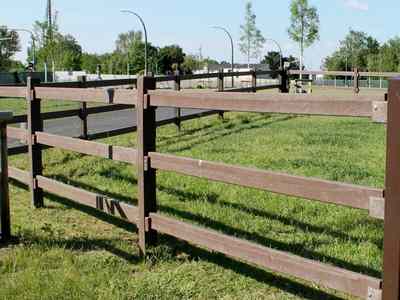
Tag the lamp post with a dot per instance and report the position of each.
(145, 38)
(280, 52)
(232, 50)
(33, 44)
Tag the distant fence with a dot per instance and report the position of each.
(12, 78)
(107, 86)
(147, 161)
(355, 79)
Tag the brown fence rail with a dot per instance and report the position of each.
(146, 160)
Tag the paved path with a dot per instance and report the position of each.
(104, 122)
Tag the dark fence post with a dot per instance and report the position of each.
(146, 142)
(254, 80)
(221, 87)
(35, 123)
(391, 260)
(83, 111)
(284, 84)
(177, 87)
(5, 223)
(356, 81)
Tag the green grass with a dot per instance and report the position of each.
(66, 252)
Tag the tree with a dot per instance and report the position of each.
(390, 56)
(251, 40)
(356, 50)
(90, 62)
(304, 28)
(192, 63)
(9, 45)
(126, 40)
(62, 51)
(273, 60)
(170, 58)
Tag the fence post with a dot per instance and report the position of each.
(356, 81)
(83, 111)
(35, 123)
(284, 87)
(254, 80)
(5, 224)
(391, 260)
(177, 87)
(221, 87)
(146, 142)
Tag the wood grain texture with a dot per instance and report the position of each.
(100, 202)
(321, 274)
(116, 153)
(357, 106)
(109, 96)
(281, 183)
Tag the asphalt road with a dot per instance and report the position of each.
(103, 122)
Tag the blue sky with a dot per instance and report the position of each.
(96, 23)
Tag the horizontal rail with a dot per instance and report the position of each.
(357, 106)
(308, 188)
(13, 91)
(250, 89)
(19, 175)
(344, 73)
(278, 261)
(109, 96)
(88, 147)
(327, 73)
(17, 133)
(73, 112)
(100, 202)
(90, 84)
(17, 150)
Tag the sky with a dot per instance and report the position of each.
(97, 23)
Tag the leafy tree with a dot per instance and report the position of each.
(55, 48)
(9, 45)
(129, 49)
(90, 62)
(126, 40)
(170, 58)
(304, 28)
(292, 62)
(251, 40)
(192, 63)
(357, 50)
(389, 56)
(273, 60)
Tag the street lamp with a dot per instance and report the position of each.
(33, 44)
(232, 49)
(145, 37)
(280, 52)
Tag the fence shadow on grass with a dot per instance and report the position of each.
(241, 268)
(295, 248)
(214, 198)
(219, 132)
(260, 275)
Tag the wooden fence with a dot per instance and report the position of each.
(84, 111)
(5, 226)
(355, 75)
(147, 161)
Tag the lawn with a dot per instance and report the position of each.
(66, 251)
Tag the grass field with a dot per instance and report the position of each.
(66, 251)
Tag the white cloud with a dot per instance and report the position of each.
(357, 5)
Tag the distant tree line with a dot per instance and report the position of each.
(362, 51)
